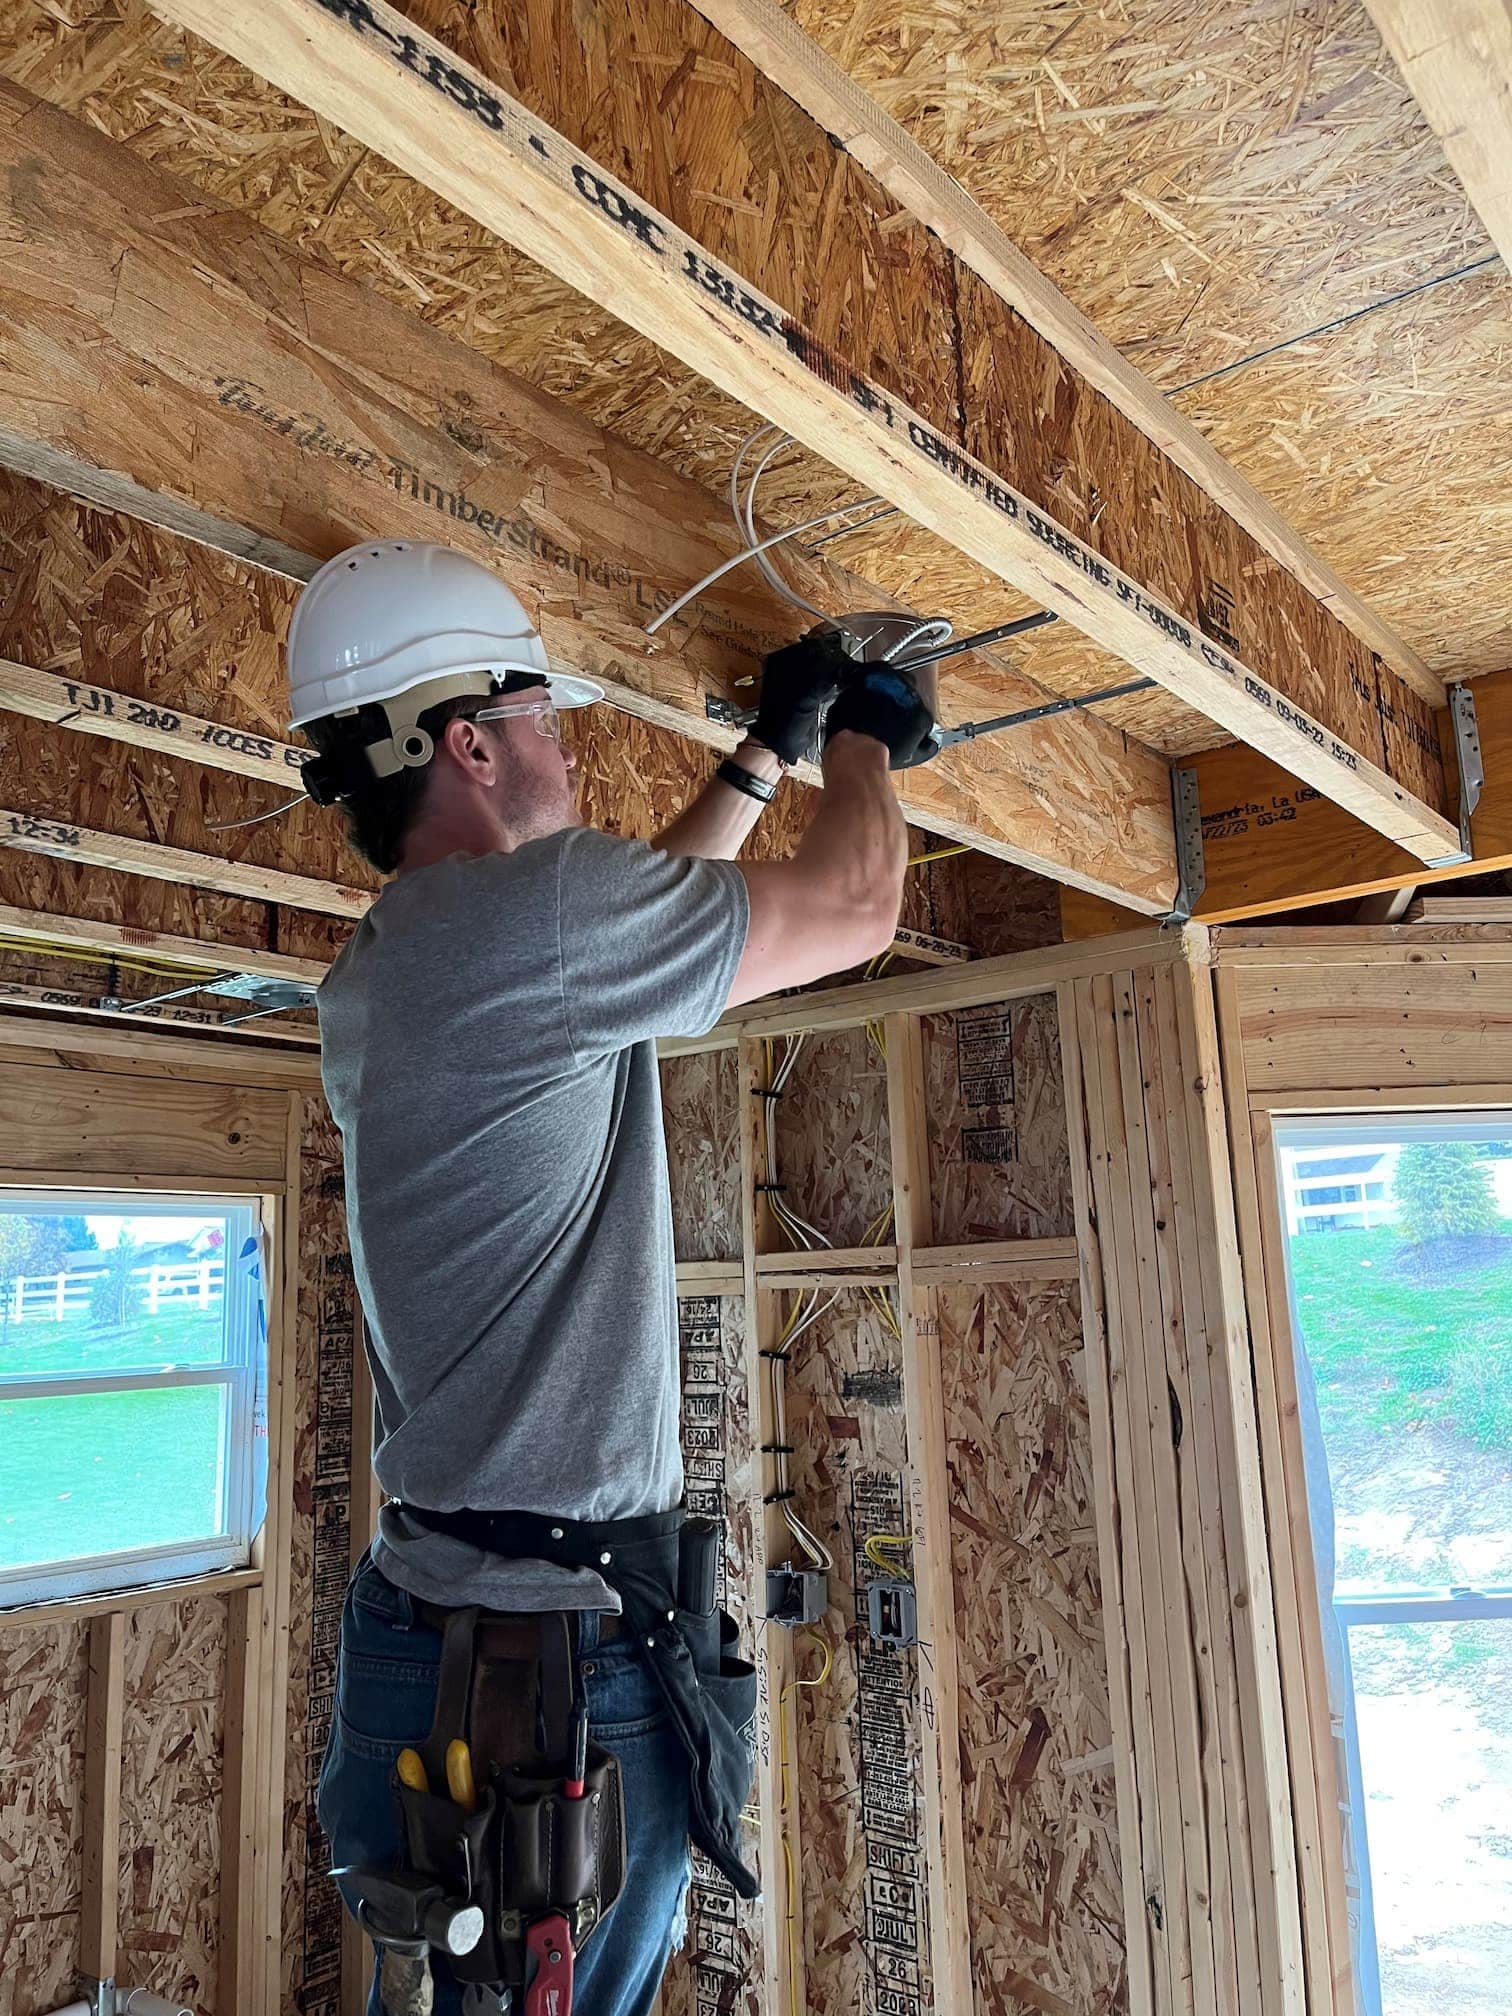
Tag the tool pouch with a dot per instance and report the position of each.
(560, 1854)
(460, 1851)
(526, 1850)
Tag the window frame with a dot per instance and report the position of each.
(72, 1577)
(1277, 1133)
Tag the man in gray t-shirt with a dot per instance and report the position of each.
(488, 1051)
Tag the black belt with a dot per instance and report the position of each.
(661, 1567)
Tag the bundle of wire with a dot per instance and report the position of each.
(809, 1307)
(929, 630)
(806, 1310)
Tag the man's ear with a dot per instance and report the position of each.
(471, 749)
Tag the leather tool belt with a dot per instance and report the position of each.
(537, 1843)
(662, 1567)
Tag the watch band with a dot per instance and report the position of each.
(745, 780)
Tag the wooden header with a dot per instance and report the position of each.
(308, 413)
(1271, 844)
(464, 135)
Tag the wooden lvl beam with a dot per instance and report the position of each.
(99, 1901)
(929, 1525)
(309, 412)
(239, 1796)
(1128, 1710)
(64, 842)
(274, 1554)
(1205, 1809)
(1273, 845)
(363, 65)
(770, 36)
(366, 1499)
(1455, 57)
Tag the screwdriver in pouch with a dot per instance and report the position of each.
(578, 1771)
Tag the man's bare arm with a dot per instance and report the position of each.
(716, 823)
(836, 902)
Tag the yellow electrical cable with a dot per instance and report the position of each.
(877, 1547)
(940, 854)
(57, 948)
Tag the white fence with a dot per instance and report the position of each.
(53, 1298)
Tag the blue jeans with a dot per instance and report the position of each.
(385, 1697)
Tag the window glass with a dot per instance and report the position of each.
(132, 1366)
(1402, 1316)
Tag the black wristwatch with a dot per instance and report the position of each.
(730, 772)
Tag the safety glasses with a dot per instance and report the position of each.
(547, 720)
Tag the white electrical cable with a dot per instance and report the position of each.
(746, 523)
(754, 548)
(808, 1237)
(728, 566)
(231, 825)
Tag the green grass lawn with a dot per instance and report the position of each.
(90, 1473)
(1395, 1345)
(177, 1336)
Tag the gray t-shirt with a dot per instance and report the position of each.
(487, 1046)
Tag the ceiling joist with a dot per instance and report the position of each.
(122, 717)
(461, 133)
(52, 931)
(765, 32)
(63, 841)
(1455, 57)
(165, 357)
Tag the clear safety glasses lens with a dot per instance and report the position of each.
(547, 720)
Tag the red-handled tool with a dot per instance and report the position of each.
(550, 1944)
(573, 1783)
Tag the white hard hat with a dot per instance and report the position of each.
(392, 615)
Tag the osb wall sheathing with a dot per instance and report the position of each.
(652, 89)
(43, 1680)
(326, 1337)
(718, 1971)
(856, 1775)
(174, 1659)
(1205, 178)
(1042, 1867)
(701, 1114)
(999, 1159)
(107, 597)
(833, 1157)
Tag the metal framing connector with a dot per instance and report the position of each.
(1472, 772)
(1191, 868)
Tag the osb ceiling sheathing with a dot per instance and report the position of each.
(1205, 178)
(1202, 179)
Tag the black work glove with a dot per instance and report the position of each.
(797, 684)
(884, 702)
